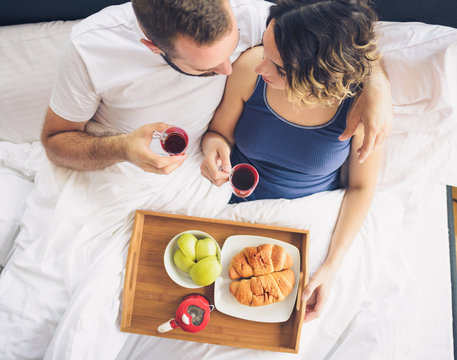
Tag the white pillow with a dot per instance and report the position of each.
(420, 61)
(29, 56)
(421, 64)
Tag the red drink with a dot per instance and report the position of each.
(244, 178)
(174, 141)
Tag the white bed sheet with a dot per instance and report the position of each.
(406, 314)
(427, 247)
(76, 254)
(391, 316)
(18, 165)
(391, 299)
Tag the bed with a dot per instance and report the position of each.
(392, 298)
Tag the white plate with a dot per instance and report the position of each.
(226, 303)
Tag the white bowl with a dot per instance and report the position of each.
(178, 276)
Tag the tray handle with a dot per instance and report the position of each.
(131, 271)
(131, 267)
(299, 303)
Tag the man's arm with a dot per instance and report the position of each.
(68, 145)
(373, 108)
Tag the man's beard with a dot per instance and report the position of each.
(172, 65)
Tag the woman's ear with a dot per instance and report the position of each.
(151, 46)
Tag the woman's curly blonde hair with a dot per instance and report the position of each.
(327, 47)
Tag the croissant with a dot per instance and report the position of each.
(265, 289)
(260, 260)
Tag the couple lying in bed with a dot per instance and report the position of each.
(284, 110)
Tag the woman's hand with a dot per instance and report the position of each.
(317, 291)
(216, 163)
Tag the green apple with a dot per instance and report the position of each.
(186, 243)
(182, 261)
(206, 271)
(204, 248)
(209, 258)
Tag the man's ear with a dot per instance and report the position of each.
(151, 46)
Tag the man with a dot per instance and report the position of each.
(119, 81)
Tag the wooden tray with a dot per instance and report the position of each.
(151, 298)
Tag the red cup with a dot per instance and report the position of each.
(244, 179)
(174, 140)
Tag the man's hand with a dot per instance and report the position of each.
(373, 108)
(139, 153)
(67, 144)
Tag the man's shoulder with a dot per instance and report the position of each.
(253, 4)
(104, 20)
(251, 17)
(242, 8)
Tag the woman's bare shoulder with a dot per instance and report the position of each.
(249, 59)
(244, 75)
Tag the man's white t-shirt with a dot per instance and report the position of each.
(108, 77)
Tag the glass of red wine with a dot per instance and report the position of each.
(174, 140)
(244, 179)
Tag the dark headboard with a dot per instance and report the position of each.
(439, 12)
(442, 12)
(32, 11)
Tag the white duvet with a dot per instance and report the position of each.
(65, 279)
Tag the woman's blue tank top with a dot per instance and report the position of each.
(292, 160)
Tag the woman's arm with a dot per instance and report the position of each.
(362, 179)
(218, 140)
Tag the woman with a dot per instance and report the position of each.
(285, 106)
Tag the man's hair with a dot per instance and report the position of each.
(327, 47)
(205, 21)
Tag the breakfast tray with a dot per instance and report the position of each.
(151, 298)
